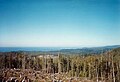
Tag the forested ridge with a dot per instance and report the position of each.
(104, 67)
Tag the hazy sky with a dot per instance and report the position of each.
(59, 23)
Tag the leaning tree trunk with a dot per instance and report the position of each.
(113, 73)
(101, 67)
(23, 62)
(96, 64)
(67, 64)
(59, 64)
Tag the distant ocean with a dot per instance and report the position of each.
(8, 49)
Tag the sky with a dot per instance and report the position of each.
(59, 23)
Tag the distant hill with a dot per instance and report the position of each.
(92, 50)
(115, 52)
(54, 51)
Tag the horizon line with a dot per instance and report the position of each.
(66, 46)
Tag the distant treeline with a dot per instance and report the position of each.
(105, 66)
